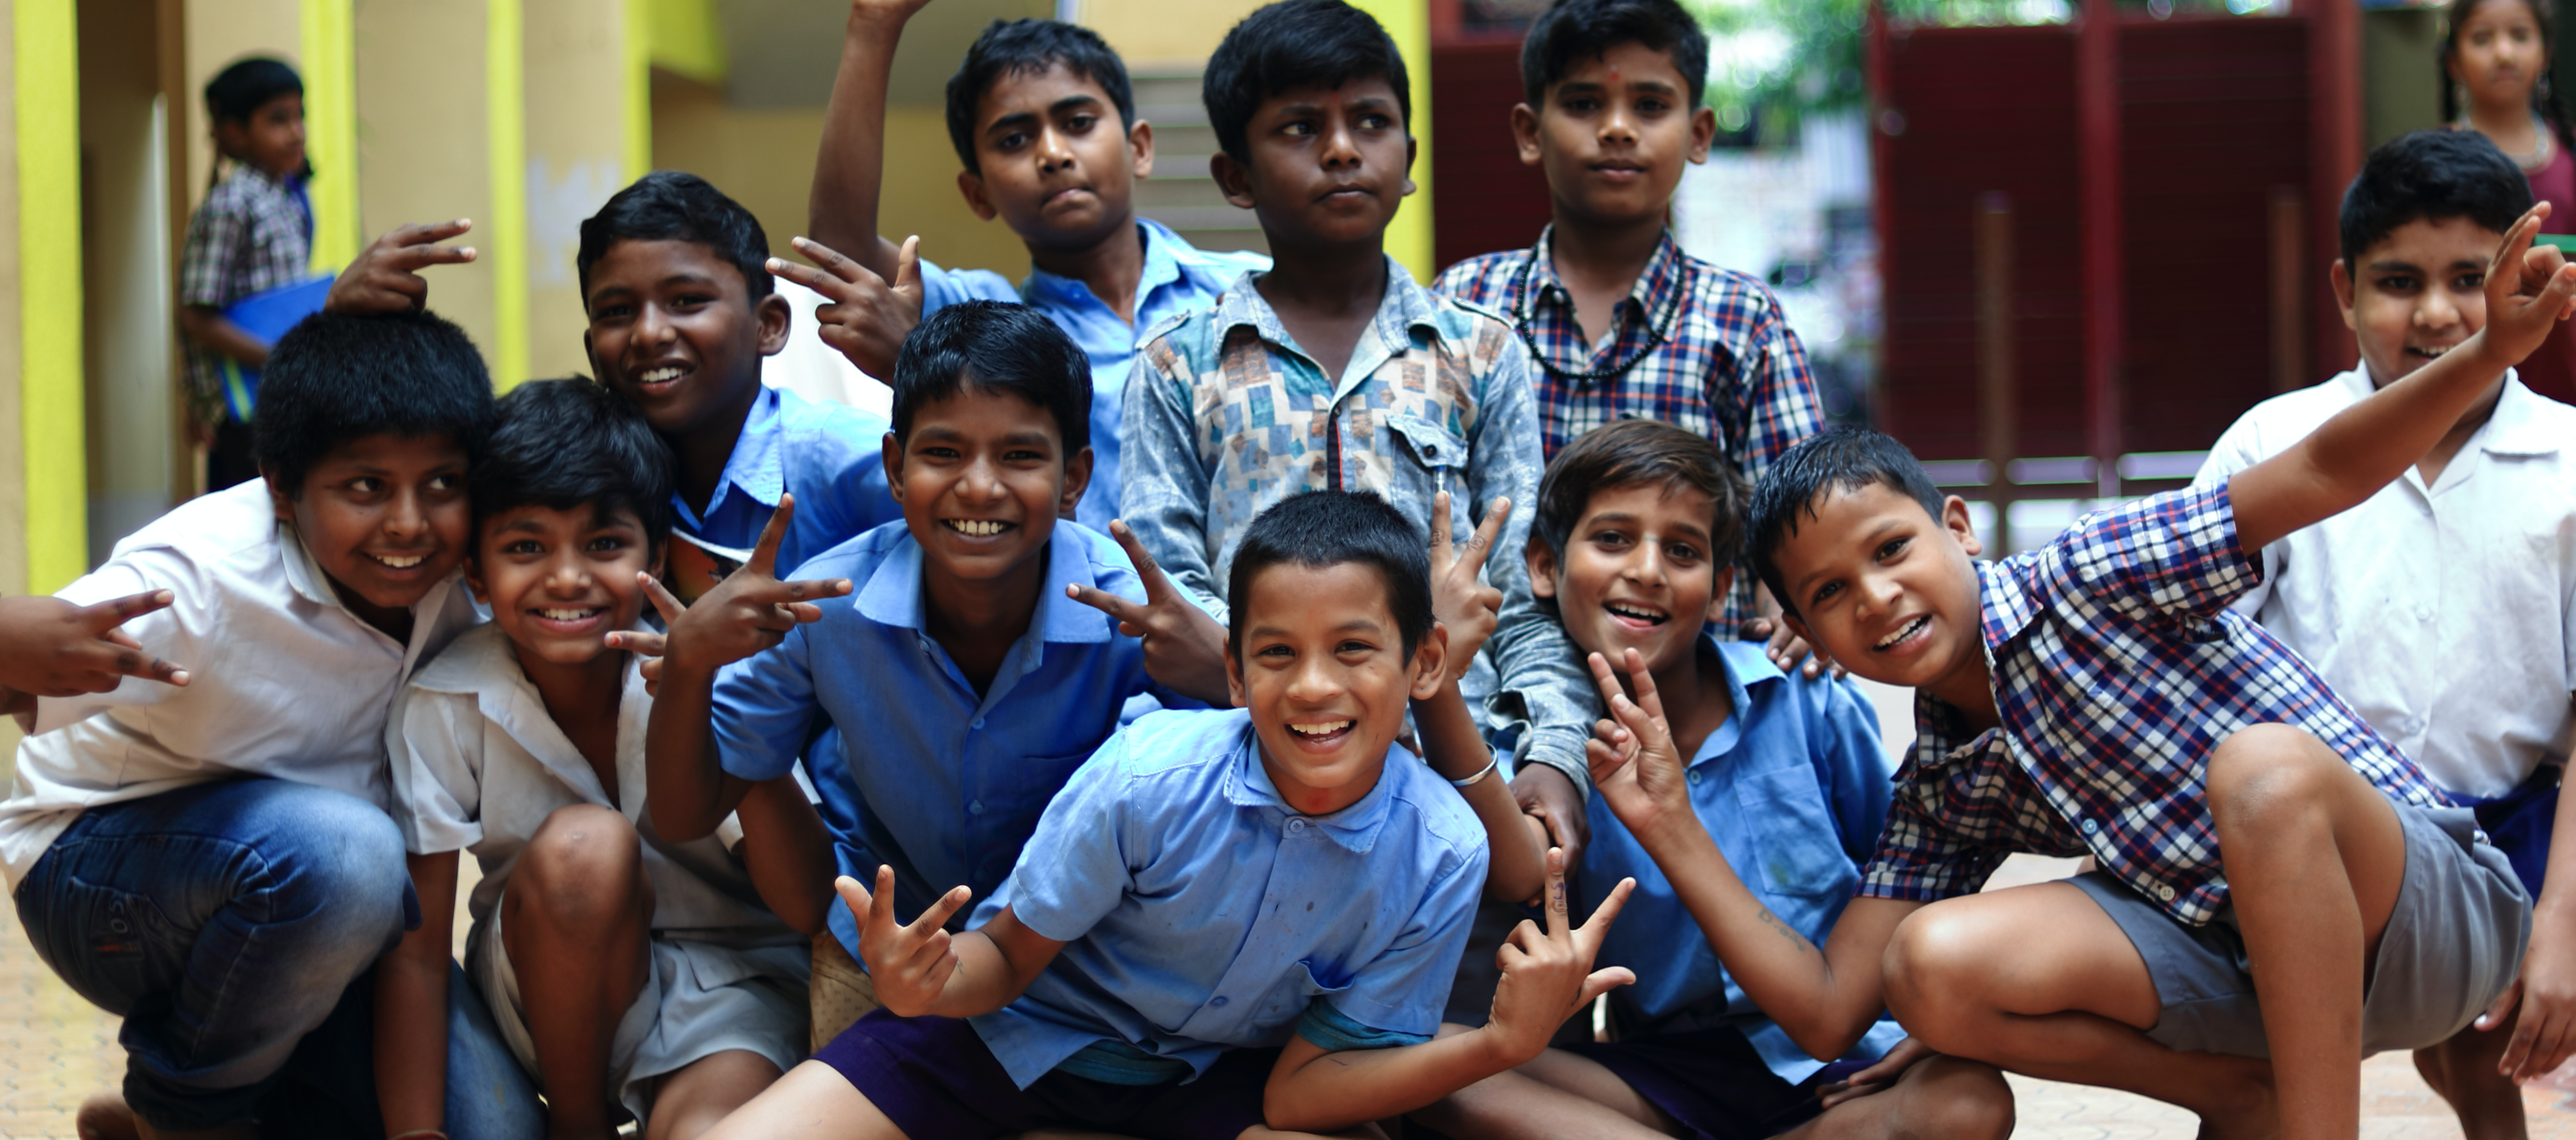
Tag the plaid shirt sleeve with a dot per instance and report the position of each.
(1931, 848)
(1773, 404)
(216, 237)
(2176, 553)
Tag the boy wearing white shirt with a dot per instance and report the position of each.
(2443, 609)
(622, 968)
(213, 861)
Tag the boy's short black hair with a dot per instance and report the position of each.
(565, 444)
(1633, 452)
(670, 205)
(996, 346)
(1295, 43)
(335, 378)
(1020, 47)
(2429, 175)
(1844, 458)
(1319, 529)
(1573, 29)
(241, 89)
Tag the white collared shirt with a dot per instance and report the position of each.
(2444, 615)
(283, 681)
(478, 764)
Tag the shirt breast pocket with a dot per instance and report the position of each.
(1794, 836)
(1438, 462)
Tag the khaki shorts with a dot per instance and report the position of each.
(843, 993)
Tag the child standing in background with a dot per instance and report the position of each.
(2495, 81)
(254, 233)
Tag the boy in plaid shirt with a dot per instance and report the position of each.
(254, 233)
(2097, 697)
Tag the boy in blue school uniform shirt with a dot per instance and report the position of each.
(1635, 538)
(1044, 120)
(945, 698)
(1228, 922)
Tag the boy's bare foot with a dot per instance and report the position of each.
(104, 1116)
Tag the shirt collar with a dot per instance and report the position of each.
(481, 665)
(1745, 664)
(892, 594)
(758, 464)
(1407, 306)
(1162, 267)
(1662, 275)
(2004, 604)
(1355, 827)
(2514, 428)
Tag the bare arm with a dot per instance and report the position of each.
(787, 852)
(1824, 997)
(206, 325)
(849, 167)
(921, 969)
(1517, 843)
(2368, 445)
(411, 1005)
(691, 791)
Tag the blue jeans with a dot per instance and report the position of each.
(234, 927)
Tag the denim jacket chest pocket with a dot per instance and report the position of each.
(1795, 839)
(1436, 461)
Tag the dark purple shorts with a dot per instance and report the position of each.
(935, 1079)
(1714, 1083)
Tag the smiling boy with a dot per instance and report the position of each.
(2469, 555)
(236, 827)
(1042, 117)
(2097, 697)
(1228, 924)
(1621, 323)
(623, 970)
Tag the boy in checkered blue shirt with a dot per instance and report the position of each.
(2281, 890)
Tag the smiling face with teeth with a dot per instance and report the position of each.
(559, 581)
(1889, 592)
(982, 476)
(386, 517)
(1322, 666)
(1613, 133)
(1637, 574)
(2418, 293)
(673, 328)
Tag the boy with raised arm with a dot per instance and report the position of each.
(1044, 121)
(2379, 596)
(2277, 880)
(1235, 924)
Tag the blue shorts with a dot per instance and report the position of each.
(935, 1079)
(2519, 823)
(1713, 1083)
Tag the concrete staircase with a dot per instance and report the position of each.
(1181, 194)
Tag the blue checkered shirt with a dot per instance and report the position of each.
(2117, 669)
(1226, 415)
(253, 234)
(1730, 368)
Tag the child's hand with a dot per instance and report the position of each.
(1547, 795)
(909, 964)
(2545, 1034)
(386, 276)
(1184, 647)
(1548, 976)
(1635, 767)
(864, 319)
(2529, 290)
(53, 648)
(1881, 1075)
(1459, 597)
(751, 610)
(1788, 650)
(645, 643)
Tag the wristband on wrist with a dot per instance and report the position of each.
(1469, 782)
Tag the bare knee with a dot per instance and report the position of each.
(584, 867)
(1934, 976)
(2270, 773)
(1947, 1098)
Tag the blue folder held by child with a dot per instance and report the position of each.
(266, 316)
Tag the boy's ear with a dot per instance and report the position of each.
(661, 561)
(1954, 518)
(1412, 147)
(776, 318)
(278, 499)
(1236, 182)
(482, 592)
(1430, 661)
(1140, 149)
(232, 136)
(1798, 625)
(1542, 567)
(971, 185)
(2341, 276)
(892, 450)
(1077, 479)
(1717, 596)
(1234, 687)
(1525, 134)
(1703, 134)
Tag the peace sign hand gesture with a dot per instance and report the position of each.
(1636, 768)
(645, 643)
(1548, 975)
(386, 276)
(910, 965)
(2529, 290)
(864, 319)
(1460, 599)
(751, 610)
(53, 648)
(1184, 647)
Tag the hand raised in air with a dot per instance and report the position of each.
(910, 965)
(53, 648)
(863, 318)
(1548, 974)
(1636, 768)
(751, 610)
(1184, 647)
(386, 276)
(1460, 599)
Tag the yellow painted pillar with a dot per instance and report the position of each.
(329, 58)
(505, 234)
(1408, 238)
(46, 58)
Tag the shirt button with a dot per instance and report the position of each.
(1219, 1002)
(2165, 891)
(2092, 827)
(1694, 777)
(979, 722)
(976, 808)
(1296, 825)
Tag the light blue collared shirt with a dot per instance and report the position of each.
(1178, 278)
(914, 769)
(1794, 788)
(1201, 914)
(830, 455)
